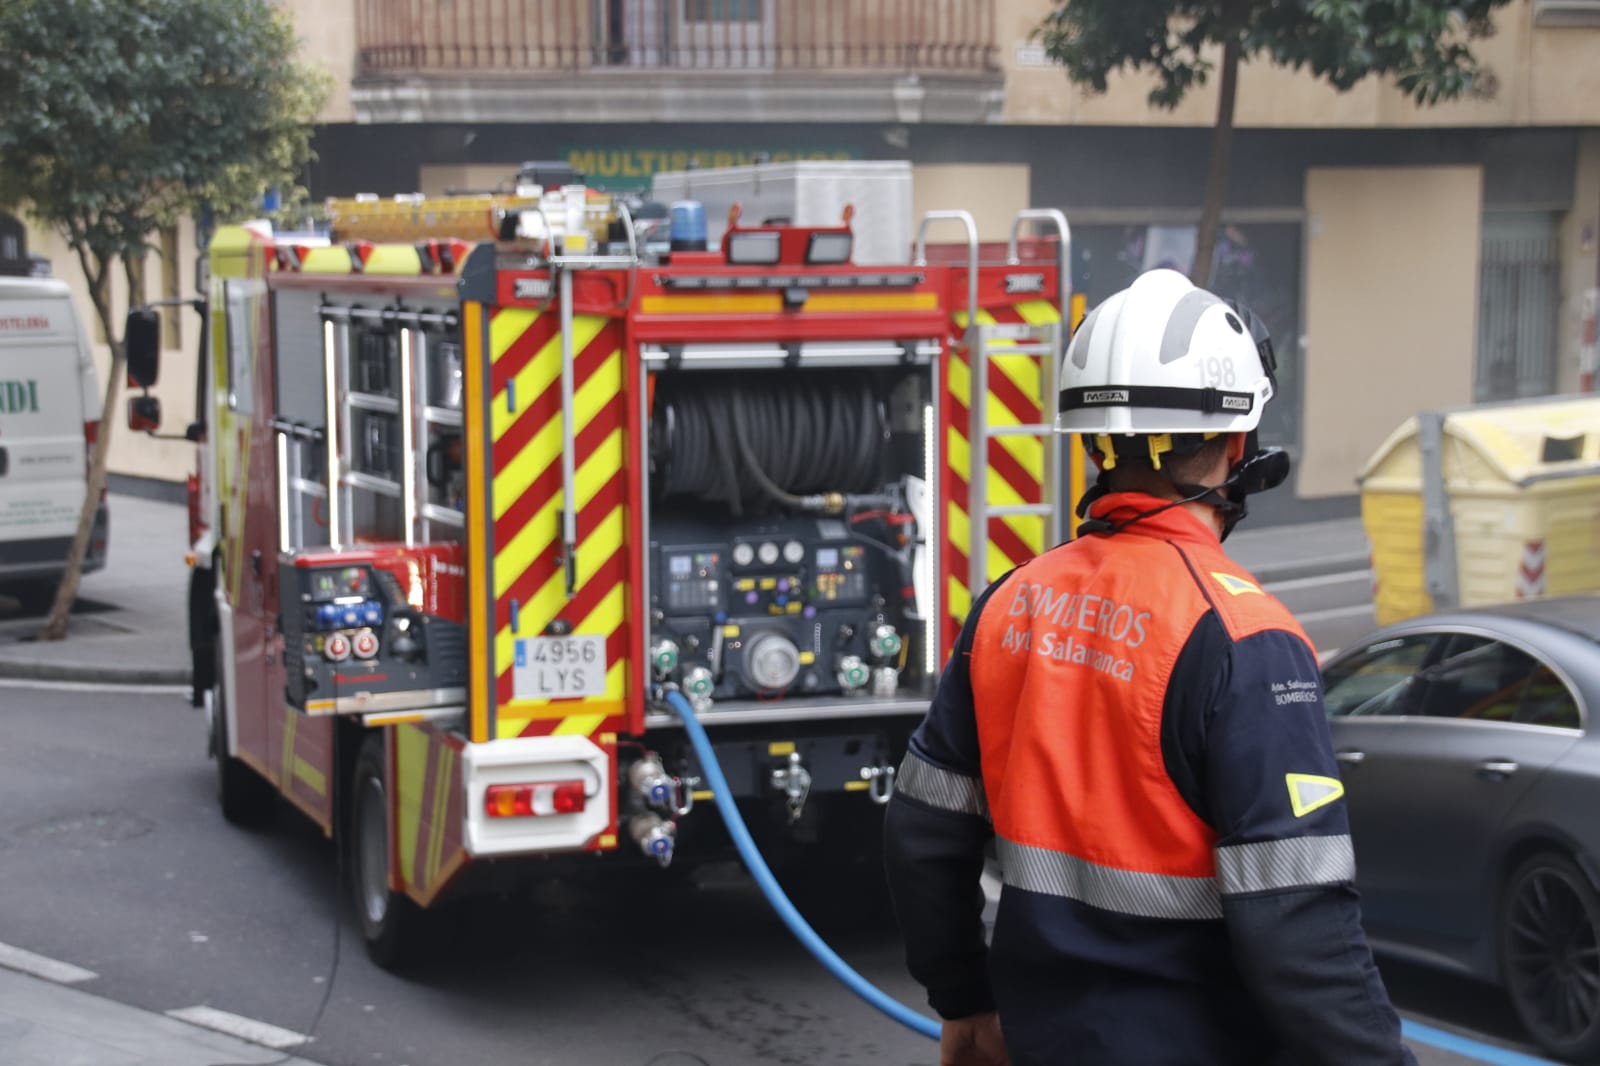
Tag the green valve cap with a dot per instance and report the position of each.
(698, 682)
(885, 642)
(664, 656)
(853, 672)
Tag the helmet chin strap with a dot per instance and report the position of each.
(1260, 470)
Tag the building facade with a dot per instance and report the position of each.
(1405, 258)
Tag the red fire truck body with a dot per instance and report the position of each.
(471, 506)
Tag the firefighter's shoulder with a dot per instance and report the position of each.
(1243, 606)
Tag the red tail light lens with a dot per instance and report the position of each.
(535, 800)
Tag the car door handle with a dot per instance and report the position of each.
(1495, 768)
(1351, 758)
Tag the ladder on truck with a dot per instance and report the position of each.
(986, 342)
(426, 344)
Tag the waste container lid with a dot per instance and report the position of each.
(1524, 441)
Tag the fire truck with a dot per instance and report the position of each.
(483, 478)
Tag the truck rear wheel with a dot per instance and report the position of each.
(390, 922)
(247, 799)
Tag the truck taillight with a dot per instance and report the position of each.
(533, 800)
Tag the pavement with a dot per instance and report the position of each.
(130, 629)
(47, 1023)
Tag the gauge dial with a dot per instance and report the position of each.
(743, 555)
(768, 553)
(793, 552)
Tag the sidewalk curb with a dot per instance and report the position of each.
(12, 669)
(1352, 563)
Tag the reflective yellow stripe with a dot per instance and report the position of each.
(411, 775)
(542, 608)
(578, 725)
(477, 530)
(393, 259)
(545, 448)
(441, 809)
(310, 776)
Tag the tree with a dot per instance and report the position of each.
(1423, 44)
(118, 118)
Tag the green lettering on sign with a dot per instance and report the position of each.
(19, 397)
(630, 169)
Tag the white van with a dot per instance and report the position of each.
(49, 416)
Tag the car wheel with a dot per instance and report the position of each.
(389, 921)
(247, 799)
(1550, 954)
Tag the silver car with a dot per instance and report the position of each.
(1473, 781)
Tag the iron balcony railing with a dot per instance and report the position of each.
(533, 36)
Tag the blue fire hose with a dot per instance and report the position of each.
(769, 885)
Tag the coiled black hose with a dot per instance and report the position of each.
(736, 439)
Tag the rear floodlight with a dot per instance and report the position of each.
(828, 248)
(759, 248)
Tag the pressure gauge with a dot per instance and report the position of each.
(768, 553)
(743, 555)
(793, 552)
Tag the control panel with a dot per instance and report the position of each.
(376, 628)
(775, 607)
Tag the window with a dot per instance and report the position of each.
(1377, 681)
(1547, 701)
(722, 10)
(1476, 680)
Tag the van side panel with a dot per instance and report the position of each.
(42, 448)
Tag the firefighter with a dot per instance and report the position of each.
(1136, 729)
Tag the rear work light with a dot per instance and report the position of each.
(534, 800)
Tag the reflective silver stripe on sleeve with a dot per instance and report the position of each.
(1296, 862)
(941, 788)
(1143, 895)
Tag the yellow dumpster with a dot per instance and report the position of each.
(1485, 504)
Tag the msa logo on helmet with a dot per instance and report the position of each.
(1236, 403)
(1105, 396)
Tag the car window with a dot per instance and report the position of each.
(1547, 701)
(1476, 680)
(1377, 680)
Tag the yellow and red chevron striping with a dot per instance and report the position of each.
(428, 810)
(1016, 464)
(529, 581)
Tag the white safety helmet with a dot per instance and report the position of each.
(1163, 357)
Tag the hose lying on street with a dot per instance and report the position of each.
(768, 884)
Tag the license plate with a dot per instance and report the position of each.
(556, 668)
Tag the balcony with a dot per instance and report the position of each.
(677, 60)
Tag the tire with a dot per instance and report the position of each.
(390, 923)
(1549, 940)
(247, 799)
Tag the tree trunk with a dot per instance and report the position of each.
(98, 274)
(1205, 245)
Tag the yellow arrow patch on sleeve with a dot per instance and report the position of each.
(1235, 585)
(1308, 792)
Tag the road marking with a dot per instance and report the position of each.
(1317, 581)
(92, 686)
(1476, 1050)
(40, 966)
(1333, 614)
(237, 1025)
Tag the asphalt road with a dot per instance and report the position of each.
(113, 857)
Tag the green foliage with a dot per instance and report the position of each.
(118, 117)
(1423, 44)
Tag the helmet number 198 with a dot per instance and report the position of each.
(1218, 373)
